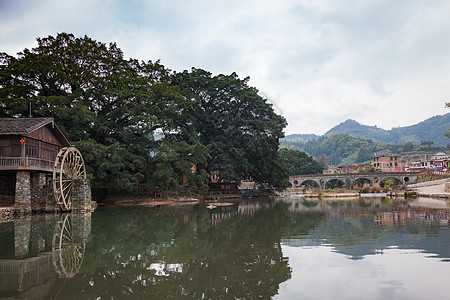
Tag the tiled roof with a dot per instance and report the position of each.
(22, 125)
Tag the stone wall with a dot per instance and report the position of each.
(39, 193)
(33, 191)
(23, 192)
(6, 214)
(81, 195)
(447, 187)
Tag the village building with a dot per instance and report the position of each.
(350, 169)
(29, 148)
(30, 143)
(388, 163)
(439, 162)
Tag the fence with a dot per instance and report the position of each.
(25, 163)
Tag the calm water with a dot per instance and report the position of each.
(286, 248)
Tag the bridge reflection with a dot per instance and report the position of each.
(38, 252)
(383, 210)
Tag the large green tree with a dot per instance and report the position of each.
(106, 105)
(300, 163)
(111, 107)
(239, 127)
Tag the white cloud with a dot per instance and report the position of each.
(382, 63)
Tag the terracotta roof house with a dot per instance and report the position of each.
(29, 143)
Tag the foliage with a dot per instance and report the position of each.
(111, 108)
(368, 169)
(238, 126)
(106, 105)
(299, 163)
(322, 160)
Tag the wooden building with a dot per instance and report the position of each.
(30, 143)
(29, 150)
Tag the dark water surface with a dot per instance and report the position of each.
(284, 248)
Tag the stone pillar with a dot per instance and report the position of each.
(23, 192)
(38, 191)
(81, 195)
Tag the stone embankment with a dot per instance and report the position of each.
(432, 189)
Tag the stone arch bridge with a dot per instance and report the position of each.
(349, 178)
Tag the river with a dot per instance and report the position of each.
(280, 248)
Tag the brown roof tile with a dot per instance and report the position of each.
(22, 125)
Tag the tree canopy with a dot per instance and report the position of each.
(300, 163)
(238, 126)
(111, 108)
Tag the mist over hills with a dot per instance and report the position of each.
(430, 130)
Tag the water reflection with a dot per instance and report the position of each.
(37, 251)
(256, 249)
(361, 227)
(231, 252)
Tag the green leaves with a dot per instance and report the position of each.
(299, 163)
(240, 128)
(111, 107)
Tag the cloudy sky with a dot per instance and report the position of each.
(379, 62)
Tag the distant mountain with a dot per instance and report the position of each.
(359, 130)
(432, 129)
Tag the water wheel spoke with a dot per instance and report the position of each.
(69, 165)
(66, 187)
(78, 171)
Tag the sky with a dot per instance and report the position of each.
(320, 62)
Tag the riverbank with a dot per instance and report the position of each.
(439, 189)
(432, 189)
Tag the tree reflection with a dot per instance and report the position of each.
(149, 255)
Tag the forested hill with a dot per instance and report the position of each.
(430, 130)
(343, 149)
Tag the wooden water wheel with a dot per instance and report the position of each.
(69, 166)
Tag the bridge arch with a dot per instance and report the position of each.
(360, 181)
(395, 181)
(334, 183)
(310, 183)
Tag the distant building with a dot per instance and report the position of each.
(388, 163)
(440, 162)
(350, 169)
